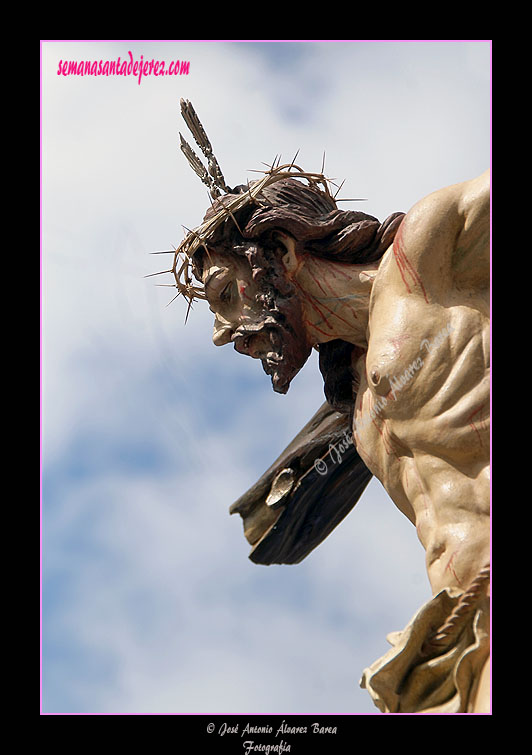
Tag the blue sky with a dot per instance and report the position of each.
(150, 603)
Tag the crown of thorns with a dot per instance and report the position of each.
(213, 178)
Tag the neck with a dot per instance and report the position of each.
(335, 299)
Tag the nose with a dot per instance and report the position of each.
(222, 332)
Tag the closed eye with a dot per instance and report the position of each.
(227, 293)
(214, 282)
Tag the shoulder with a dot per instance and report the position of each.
(474, 196)
(474, 237)
(448, 210)
(445, 223)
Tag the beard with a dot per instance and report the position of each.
(288, 355)
(285, 347)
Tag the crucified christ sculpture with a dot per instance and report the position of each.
(399, 312)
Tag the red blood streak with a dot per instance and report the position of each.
(335, 314)
(314, 306)
(242, 290)
(450, 568)
(397, 253)
(386, 440)
(334, 268)
(404, 264)
(328, 309)
(332, 293)
(472, 424)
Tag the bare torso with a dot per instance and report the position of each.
(421, 420)
(420, 319)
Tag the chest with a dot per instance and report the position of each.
(411, 349)
(424, 380)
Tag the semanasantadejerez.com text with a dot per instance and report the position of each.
(118, 67)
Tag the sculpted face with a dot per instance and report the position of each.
(231, 295)
(259, 323)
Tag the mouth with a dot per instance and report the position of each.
(278, 347)
(255, 341)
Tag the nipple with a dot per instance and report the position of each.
(379, 382)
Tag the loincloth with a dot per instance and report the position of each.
(428, 670)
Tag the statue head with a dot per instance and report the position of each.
(254, 302)
(243, 255)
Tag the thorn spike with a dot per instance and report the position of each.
(161, 272)
(175, 297)
(293, 161)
